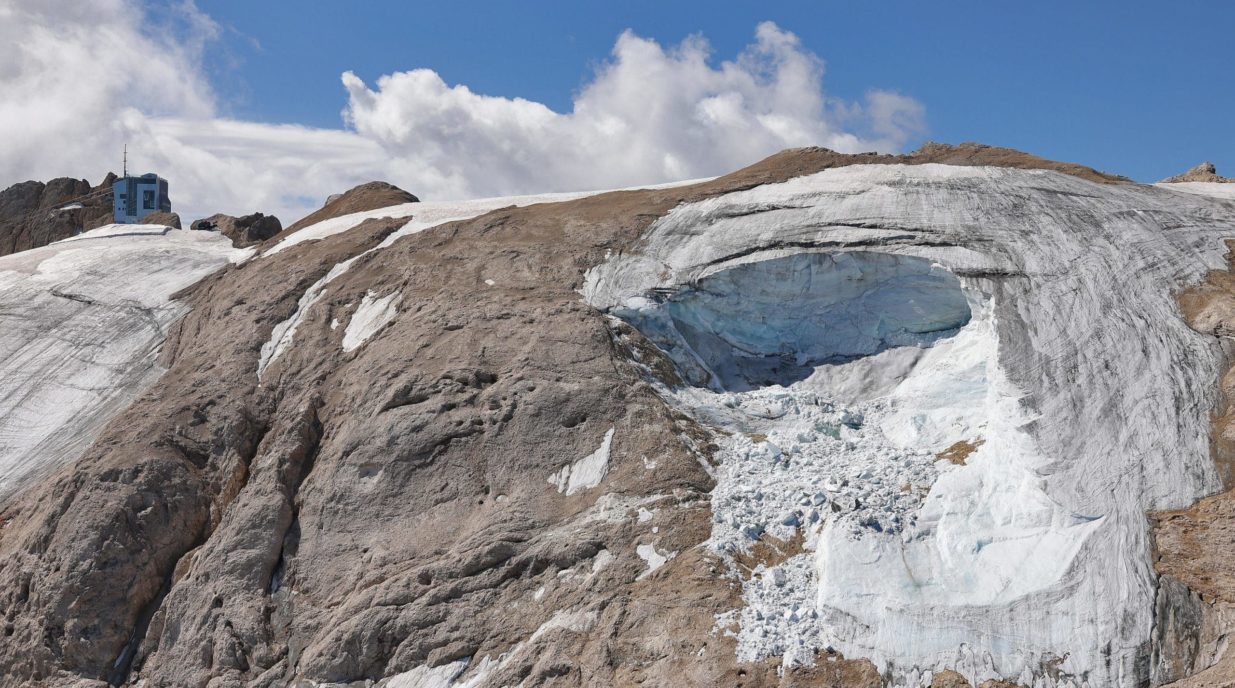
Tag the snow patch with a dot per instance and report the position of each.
(338, 225)
(428, 677)
(603, 558)
(1220, 190)
(587, 472)
(654, 559)
(371, 315)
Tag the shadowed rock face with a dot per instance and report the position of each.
(390, 507)
(34, 214)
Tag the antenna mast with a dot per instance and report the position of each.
(126, 160)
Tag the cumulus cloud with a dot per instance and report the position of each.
(81, 79)
(69, 69)
(649, 115)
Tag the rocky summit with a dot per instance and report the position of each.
(954, 418)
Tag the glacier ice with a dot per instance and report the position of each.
(775, 321)
(1080, 390)
(81, 323)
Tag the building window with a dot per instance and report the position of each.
(148, 199)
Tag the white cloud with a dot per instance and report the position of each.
(80, 80)
(649, 115)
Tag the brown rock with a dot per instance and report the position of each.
(243, 231)
(949, 679)
(368, 196)
(1196, 546)
(34, 214)
(353, 515)
(161, 218)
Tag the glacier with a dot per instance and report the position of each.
(1079, 392)
(81, 324)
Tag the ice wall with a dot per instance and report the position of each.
(775, 321)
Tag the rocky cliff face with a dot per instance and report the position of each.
(827, 421)
(34, 214)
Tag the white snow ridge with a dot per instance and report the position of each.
(964, 386)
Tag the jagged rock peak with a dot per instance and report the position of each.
(34, 214)
(1204, 172)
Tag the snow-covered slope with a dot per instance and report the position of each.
(81, 322)
(1070, 394)
(1225, 191)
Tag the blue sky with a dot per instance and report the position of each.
(1144, 89)
(272, 106)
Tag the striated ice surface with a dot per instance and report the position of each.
(1221, 190)
(81, 323)
(1077, 393)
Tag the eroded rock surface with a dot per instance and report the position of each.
(1196, 546)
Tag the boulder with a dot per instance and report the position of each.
(162, 218)
(243, 231)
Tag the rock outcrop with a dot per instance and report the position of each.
(1195, 556)
(1204, 172)
(367, 196)
(34, 214)
(477, 444)
(244, 231)
(161, 218)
